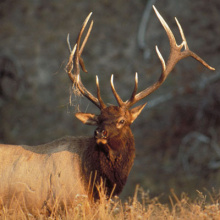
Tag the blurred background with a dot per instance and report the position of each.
(177, 135)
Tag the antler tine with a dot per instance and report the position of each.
(117, 97)
(132, 99)
(187, 51)
(68, 42)
(102, 104)
(75, 61)
(175, 55)
(77, 58)
(69, 66)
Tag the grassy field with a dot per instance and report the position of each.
(141, 206)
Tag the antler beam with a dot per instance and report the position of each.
(176, 54)
(76, 61)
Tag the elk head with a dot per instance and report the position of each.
(115, 120)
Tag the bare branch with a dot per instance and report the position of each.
(142, 29)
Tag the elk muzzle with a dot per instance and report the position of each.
(101, 136)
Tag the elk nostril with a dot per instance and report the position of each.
(100, 134)
(104, 133)
(96, 133)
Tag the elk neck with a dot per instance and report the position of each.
(110, 162)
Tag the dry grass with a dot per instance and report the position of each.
(138, 207)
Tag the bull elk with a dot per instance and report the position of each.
(58, 171)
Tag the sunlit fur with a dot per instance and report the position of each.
(60, 170)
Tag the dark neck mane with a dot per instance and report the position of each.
(111, 163)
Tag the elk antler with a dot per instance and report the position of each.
(176, 54)
(75, 61)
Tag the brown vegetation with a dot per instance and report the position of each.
(140, 206)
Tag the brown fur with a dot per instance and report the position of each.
(58, 171)
(42, 175)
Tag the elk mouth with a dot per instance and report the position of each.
(101, 141)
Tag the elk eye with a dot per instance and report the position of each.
(104, 133)
(122, 121)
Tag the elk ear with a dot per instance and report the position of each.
(86, 118)
(136, 111)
